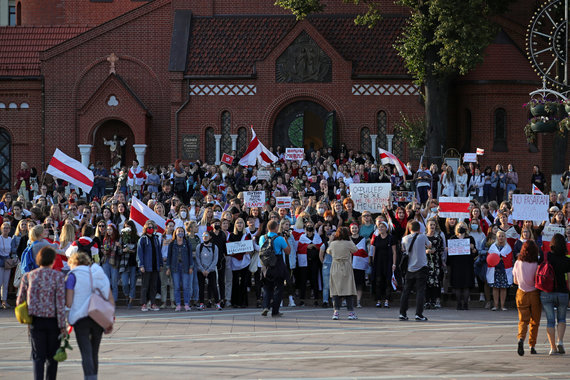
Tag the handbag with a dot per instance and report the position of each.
(11, 263)
(18, 275)
(100, 309)
(22, 314)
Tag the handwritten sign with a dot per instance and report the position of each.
(530, 207)
(370, 196)
(403, 196)
(283, 202)
(548, 233)
(470, 157)
(254, 198)
(239, 247)
(263, 175)
(458, 247)
(294, 154)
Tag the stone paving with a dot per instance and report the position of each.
(304, 343)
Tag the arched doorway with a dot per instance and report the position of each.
(305, 124)
(109, 130)
(5, 160)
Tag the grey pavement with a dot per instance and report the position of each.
(304, 343)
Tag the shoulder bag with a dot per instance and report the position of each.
(101, 310)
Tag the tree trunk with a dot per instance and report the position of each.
(436, 113)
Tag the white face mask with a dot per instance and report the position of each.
(192, 202)
(183, 214)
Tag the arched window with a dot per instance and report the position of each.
(226, 143)
(19, 13)
(24, 105)
(13, 106)
(5, 159)
(381, 124)
(2, 106)
(241, 141)
(398, 146)
(210, 146)
(365, 140)
(500, 131)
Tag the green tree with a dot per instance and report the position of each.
(442, 38)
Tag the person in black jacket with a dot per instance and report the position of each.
(559, 297)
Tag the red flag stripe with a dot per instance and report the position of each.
(140, 218)
(70, 171)
(453, 207)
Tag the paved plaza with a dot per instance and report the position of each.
(304, 343)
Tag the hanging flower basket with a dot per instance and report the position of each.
(544, 126)
(543, 107)
(538, 110)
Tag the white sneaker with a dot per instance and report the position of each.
(359, 306)
(481, 297)
(292, 303)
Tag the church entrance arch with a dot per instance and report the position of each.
(305, 124)
(115, 134)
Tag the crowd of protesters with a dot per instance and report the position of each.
(187, 266)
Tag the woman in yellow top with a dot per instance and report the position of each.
(342, 276)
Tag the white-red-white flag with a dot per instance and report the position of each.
(64, 167)
(480, 151)
(227, 159)
(256, 151)
(454, 207)
(388, 158)
(140, 213)
(536, 190)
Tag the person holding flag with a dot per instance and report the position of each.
(136, 178)
(538, 179)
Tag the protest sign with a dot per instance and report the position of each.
(294, 154)
(218, 215)
(470, 157)
(530, 207)
(370, 196)
(254, 198)
(547, 233)
(263, 175)
(239, 247)
(283, 202)
(403, 196)
(454, 207)
(457, 247)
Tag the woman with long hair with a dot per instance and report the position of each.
(558, 298)
(165, 279)
(110, 257)
(383, 257)
(149, 261)
(128, 260)
(436, 264)
(179, 266)
(239, 263)
(342, 276)
(462, 273)
(528, 297)
(500, 276)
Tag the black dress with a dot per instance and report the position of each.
(462, 273)
(435, 262)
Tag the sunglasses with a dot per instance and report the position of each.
(101, 225)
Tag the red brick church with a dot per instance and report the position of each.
(169, 79)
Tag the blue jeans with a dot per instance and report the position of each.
(549, 302)
(510, 187)
(326, 280)
(194, 288)
(184, 278)
(113, 274)
(129, 281)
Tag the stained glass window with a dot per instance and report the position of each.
(226, 142)
(242, 141)
(365, 140)
(382, 123)
(210, 143)
(5, 159)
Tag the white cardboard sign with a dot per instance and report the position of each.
(530, 207)
(263, 175)
(239, 246)
(254, 198)
(283, 202)
(294, 154)
(458, 247)
(470, 157)
(370, 196)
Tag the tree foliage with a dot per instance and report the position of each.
(412, 129)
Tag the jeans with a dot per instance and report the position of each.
(43, 334)
(549, 302)
(88, 335)
(148, 288)
(113, 275)
(326, 280)
(183, 278)
(129, 281)
(349, 302)
(194, 288)
(511, 187)
(418, 279)
(228, 278)
(165, 282)
(4, 282)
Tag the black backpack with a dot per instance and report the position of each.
(267, 252)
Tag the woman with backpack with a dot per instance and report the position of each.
(528, 297)
(206, 262)
(558, 297)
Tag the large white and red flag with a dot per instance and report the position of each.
(454, 207)
(257, 151)
(388, 158)
(140, 213)
(64, 167)
(536, 190)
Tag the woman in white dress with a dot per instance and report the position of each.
(448, 183)
(461, 182)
